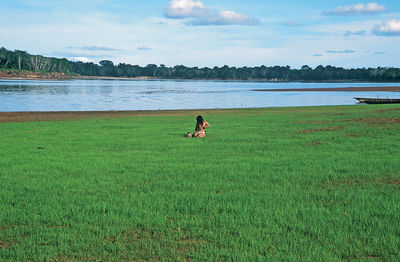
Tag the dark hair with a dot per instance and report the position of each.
(199, 123)
(200, 119)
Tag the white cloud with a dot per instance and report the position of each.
(200, 15)
(224, 18)
(185, 8)
(388, 28)
(235, 18)
(357, 9)
(82, 59)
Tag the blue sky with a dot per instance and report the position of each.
(207, 33)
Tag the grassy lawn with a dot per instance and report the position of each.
(293, 184)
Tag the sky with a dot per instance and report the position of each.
(207, 33)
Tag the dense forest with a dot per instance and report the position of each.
(21, 60)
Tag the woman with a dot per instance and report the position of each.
(201, 125)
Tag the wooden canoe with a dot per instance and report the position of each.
(378, 100)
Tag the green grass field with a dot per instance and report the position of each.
(292, 184)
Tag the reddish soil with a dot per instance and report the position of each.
(368, 181)
(377, 121)
(53, 116)
(71, 115)
(387, 110)
(313, 130)
(370, 121)
(313, 122)
(391, 181)
(4, 244)
(335, 89)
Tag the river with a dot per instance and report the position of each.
(93, 95)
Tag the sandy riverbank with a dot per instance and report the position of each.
(28, 75)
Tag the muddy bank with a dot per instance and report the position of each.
(335, 89)
(35, 116)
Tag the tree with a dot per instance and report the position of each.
(106, 63)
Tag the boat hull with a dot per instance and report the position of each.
(378, 100)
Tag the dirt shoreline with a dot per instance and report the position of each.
(30, 75)
(336, 89)
(37, 116)
(11, 75)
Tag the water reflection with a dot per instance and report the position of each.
(77, 95)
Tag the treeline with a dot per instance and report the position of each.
(21, 60)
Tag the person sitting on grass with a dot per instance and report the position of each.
(200, 129)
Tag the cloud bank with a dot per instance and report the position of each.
(94, 48)
(144, 48)
(200, 15)
(388, 28)
(358, 9)
(347, 51)
(355, 33)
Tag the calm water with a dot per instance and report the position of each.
(81, 95)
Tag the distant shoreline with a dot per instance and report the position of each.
(63, 78)
(336, 89)
(31, 75)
